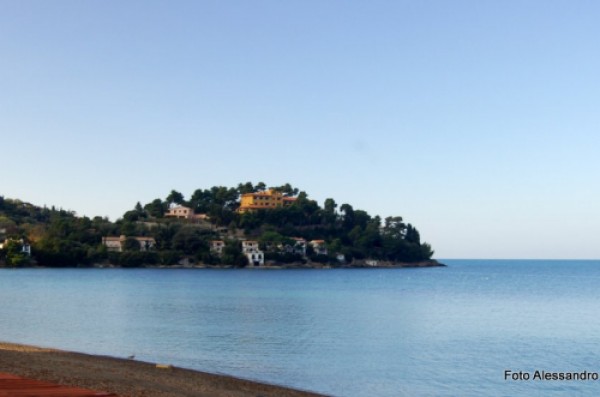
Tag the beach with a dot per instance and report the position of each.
(128, 377)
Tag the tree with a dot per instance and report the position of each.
(225, 197)
(131, 244)
(131, 216)
(271, 239)
(129, 228)
(169, 257)
(361, 218)
(251, 220)
(164, 235)
(156, 208)
(8, 224)
(189, 241)
(426, 251)
(348, 216)
(394, 226)
(244, 188)
(286, 190)
(232, 254)
(368, 240)
(329, 206)
(412, 235)
(175, 198)
(201, 200)
(15, 257)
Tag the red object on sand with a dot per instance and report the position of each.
(15, 386)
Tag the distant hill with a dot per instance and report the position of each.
(208, 229)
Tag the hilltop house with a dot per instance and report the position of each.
(268, 199)
(252, 251)
(183, 212)
(180, 212)
(116, 244)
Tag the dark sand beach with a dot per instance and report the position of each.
(128, 378)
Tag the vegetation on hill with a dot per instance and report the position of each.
(58, 238)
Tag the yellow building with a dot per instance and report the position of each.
(264, 200)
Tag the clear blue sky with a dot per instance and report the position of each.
(477, 121)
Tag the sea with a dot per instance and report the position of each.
(473, 328)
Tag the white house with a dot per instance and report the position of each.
(297, 246)
(252, 251)
(216, 247)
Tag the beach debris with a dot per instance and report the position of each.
(164, 366)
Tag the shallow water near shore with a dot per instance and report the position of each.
(354, 332)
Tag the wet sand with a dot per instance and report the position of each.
(128, 378)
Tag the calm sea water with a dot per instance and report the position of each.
(366, 332)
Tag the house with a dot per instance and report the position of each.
(146, 243)
(299, 246)
(25, 246)
(216, 247)
(252, 251)
(112, 243)
(296, 245)
(183, 212)
(116, 244)
(250, 246)
(268, 199)
(26, 249)
(319, 247)
(180, 212)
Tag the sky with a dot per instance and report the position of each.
(476, 121)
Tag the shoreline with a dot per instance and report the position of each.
(362, 264)
(293, 266)
(129, 378)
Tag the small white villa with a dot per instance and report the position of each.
(252, 251)
(216, 247)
